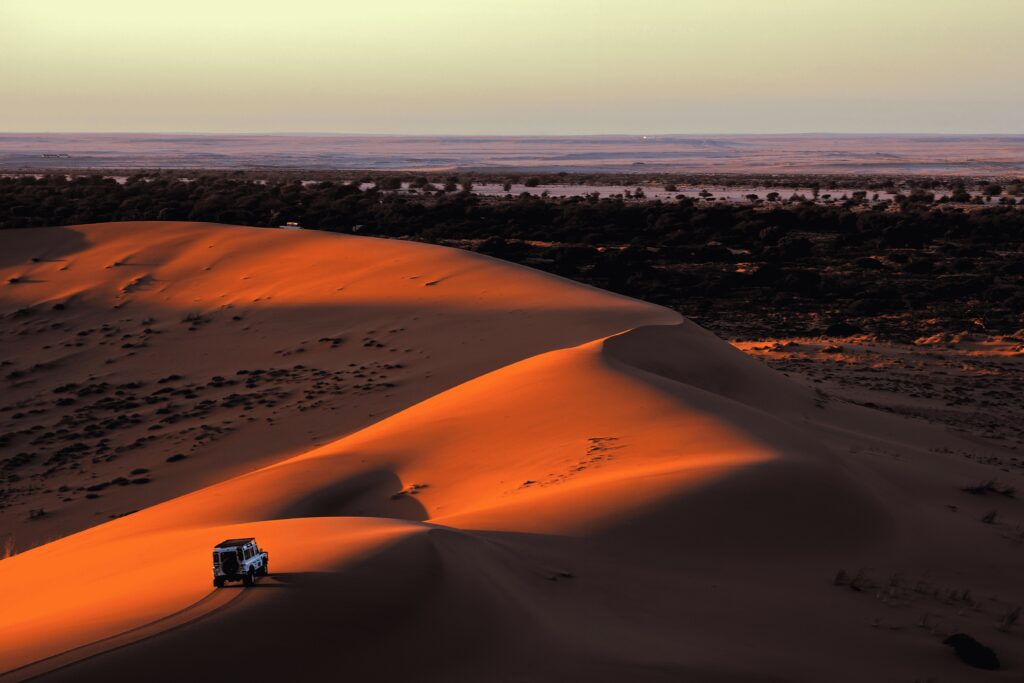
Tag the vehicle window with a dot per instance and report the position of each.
(216, 556)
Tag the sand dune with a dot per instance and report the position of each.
(237, 347)
(563, 484)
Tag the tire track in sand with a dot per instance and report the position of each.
(213, 602)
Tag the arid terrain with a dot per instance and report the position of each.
(780, 154)
(465, 469)
(968, 382)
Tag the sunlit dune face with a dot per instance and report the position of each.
(565, 425)
(558, 426)
(177, 267)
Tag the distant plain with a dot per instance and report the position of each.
(782, 154)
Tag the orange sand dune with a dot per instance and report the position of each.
(594, 489)
(379, 324)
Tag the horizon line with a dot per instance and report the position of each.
(520, 135)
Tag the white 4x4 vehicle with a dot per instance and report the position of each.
(239, 559)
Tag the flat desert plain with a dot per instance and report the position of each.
(463, 470)
(1001, 155)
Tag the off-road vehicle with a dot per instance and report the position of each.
(239, 559)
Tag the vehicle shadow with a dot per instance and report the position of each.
(280, 580)
(287, 579)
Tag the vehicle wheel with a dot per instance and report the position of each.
(249, 578)
(218, 582)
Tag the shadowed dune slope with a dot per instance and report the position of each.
(629, 499)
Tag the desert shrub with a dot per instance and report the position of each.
(990, 486)
(1009, 618)
(972, 652)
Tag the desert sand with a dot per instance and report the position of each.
(463, 470)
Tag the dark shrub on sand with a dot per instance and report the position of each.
(972, 652)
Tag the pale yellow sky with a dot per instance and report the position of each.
(521, 67)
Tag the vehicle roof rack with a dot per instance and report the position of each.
(234, 542)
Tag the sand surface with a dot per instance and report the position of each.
(463, 470)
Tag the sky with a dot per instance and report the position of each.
(519, 67)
